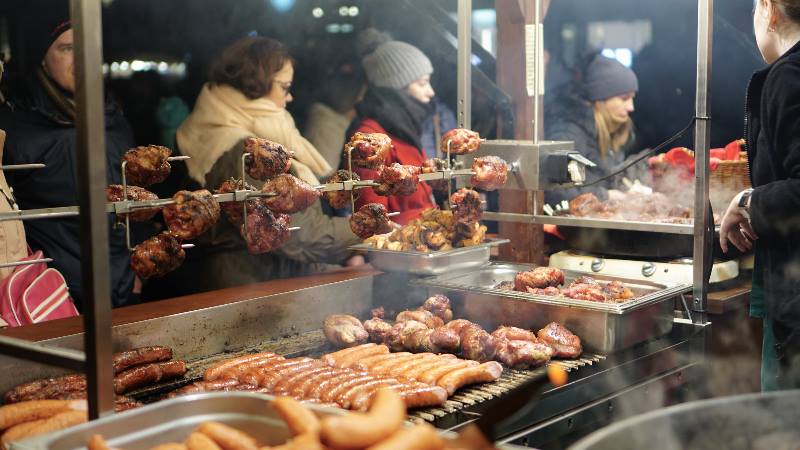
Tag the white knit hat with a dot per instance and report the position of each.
(393, 64)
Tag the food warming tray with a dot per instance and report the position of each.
(430, 263)
(602, 327)
(172, 420)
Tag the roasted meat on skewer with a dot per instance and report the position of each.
(397, 179)
(157, 256)
(344, 330)
(462, 141)
(491, 173)
(266, 230)
(235, 210)
(147, 165)
(466, 206)
(564, 343)
(192, 214)
(433, 165)
(368, 150)
(369, 220)
(540, 277)
(267, 158)
(294, 194)
(137, 194)
(340, 199)
(439, 306)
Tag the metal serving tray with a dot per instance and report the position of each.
(430, 263)
(602, 327)
(172, 420)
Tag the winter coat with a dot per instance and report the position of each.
(325, 129)
(772, 121)
(38, 132)
(12, 233)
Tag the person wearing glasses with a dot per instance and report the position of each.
(246, 95)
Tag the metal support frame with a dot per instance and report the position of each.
(464, 65)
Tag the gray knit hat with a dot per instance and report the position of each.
(606, 78)
(392, 64)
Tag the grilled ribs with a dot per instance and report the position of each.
(344, 330)
(462, 141)
(368, 150)
(135, 193)
(267, 158)
(192, 214)
(466, 206)
(369, 220)
(266, 230)
(157, 256)
(538, 278)
(340, 199)
(147, 165)
(294, 194)
(491, 173)
(397, 179)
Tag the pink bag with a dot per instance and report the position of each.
(34, 293)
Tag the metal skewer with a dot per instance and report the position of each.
(22, 166)
(293, 228)
(178, 158)
(187, 245)
(393, 214)
(25, 263)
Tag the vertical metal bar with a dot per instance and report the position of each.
(538, 63)
(464, 65)
(702, 253)
(95, 276)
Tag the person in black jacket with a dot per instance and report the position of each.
(767, 215)
(594, 112)
(39, 118)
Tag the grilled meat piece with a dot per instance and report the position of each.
(504, 286)
(267, 158)
(468, 234)
(397, 179)
(466, 205)
(340, 199)
(344, 330)
(439, 306)
(420, 315)
(540, 277)
(549, 291)
(433, 165)
(564, 343)
(266, 230)
(157, 256)
(142, 355)
(143, 375)
(414, 336)
(294, 194)
(585, 205)
(477, 344)
(401, 332)
(585, 291)
(584, 279)
(617, 291)
(369, 220)
(235, 210)
(491, 173)
(519, 354)
(147, 165)
(514, 334)
(192, 214)
(135, 193)
(378, 329)
(377, 313)
(368, 150)
(462, 141)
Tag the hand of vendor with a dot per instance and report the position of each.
(735, 227)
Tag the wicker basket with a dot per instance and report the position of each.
(727, 180)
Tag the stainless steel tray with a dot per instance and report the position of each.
(172, 420)
(430, 263)
(602, 327)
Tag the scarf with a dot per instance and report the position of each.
(400, 114)
(223, 117)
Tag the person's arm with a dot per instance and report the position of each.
(774, 206)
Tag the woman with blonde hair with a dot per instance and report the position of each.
(594, 112)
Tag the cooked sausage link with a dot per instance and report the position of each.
(138, 356)
(148, 374)
(22, 391)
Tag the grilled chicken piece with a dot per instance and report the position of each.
(514, 334)
(147, 165)
(617, 291)
(585, 204)
(340, 199)
(549, 291)
(157, 256)
(344, 330)
(267, 159)
(135, 193)
(401, 332)
(477, 344)
(192, 214)
(439, 306)
(468, 234)
(585, 291)
(466, 206)
(369, 220)
(433, 165)
(397, 179)
(368, 150)
(519, 354)
(378, 329)
(491, 173)
(462, 141)
(235, 210)
(540, 277)
(564, 343)
(414, 336)
(421, 315)
(266, 230)
(294, 194)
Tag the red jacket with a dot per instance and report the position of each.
(404, 153)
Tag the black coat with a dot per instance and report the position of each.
(39, 133)
(772, 131)
(570, 118)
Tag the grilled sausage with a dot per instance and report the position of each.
(226, 437)
(97, 443)
(285, 385)
(356, 430)
(419, 395)
(368, 362)
(255, 374)
(331, 394)
(352, 358)
(325, 385)
(148, 374)
(57, 422)
(199, 441)
(489, 371)
(379, 367)
(25, 390)
(290, 366)
(298, 419)
(170, 446)
(302, 389)
(17, 413)
(61, 388)
(213, 372)
(332, 359)
(432, 374)
(348, 395)
(138, 356)
(235, 372)
(401, 369)
(418, 437)
(417, 371)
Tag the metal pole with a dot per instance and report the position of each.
(464, 64)
(90, 128)
(537, 70)
(702, 254)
